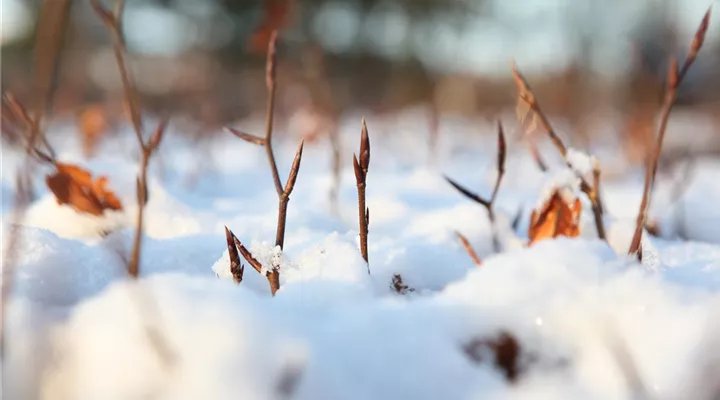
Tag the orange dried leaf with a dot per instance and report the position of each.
(74, 186)
(555, 218)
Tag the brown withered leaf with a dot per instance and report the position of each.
(556, 218)
(74, 186)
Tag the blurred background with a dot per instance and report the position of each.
(204, 60)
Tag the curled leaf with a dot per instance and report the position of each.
(556, 218)
(74, 186)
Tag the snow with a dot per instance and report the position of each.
(580, 162)
(562, 180)
(78, 328)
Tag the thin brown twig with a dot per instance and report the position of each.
(468, 248)
(360, 167)
(270, 74)
(283, 193)
(148, 308)
(32, 133)
(247, 137)
(489, 204)
(112, 22)
(594, 195)
(526, 94)
(674, 80)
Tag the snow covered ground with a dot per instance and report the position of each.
(590, 323)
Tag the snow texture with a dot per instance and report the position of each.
(585, 315)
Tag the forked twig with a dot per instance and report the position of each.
(468, 248)
(526, 95)
(112, 21)
(489, 204)
(674, 80)
(361, 169)
(283, 193)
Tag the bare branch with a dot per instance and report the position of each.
(283, 194)
(147, 150)
(112, 21)
(270, 71)
(247, 256)
(292, 177)
(361, 169)
(488, 204)
(468, 248)
(675, 78)
(157, 135)
(470, 195)
(285, 197)
(502, 151)
(246, 136)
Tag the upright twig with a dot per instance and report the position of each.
(112, 21)
(489, 204)
(361, 169)
(526, 95)
(674, 80)
(283, 193)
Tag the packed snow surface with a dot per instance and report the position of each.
(590, 322)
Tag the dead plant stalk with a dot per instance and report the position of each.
(674, 79)
(488, 204)
(112, 21)
(283, 193)
(148, 308)
(361, 169)
(526, 95)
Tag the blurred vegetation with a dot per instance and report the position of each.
(204, 58)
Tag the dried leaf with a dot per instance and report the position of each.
(556, 218)
(74, 186)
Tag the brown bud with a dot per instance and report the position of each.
(364, 148)
(700, 34)
(502, 150)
